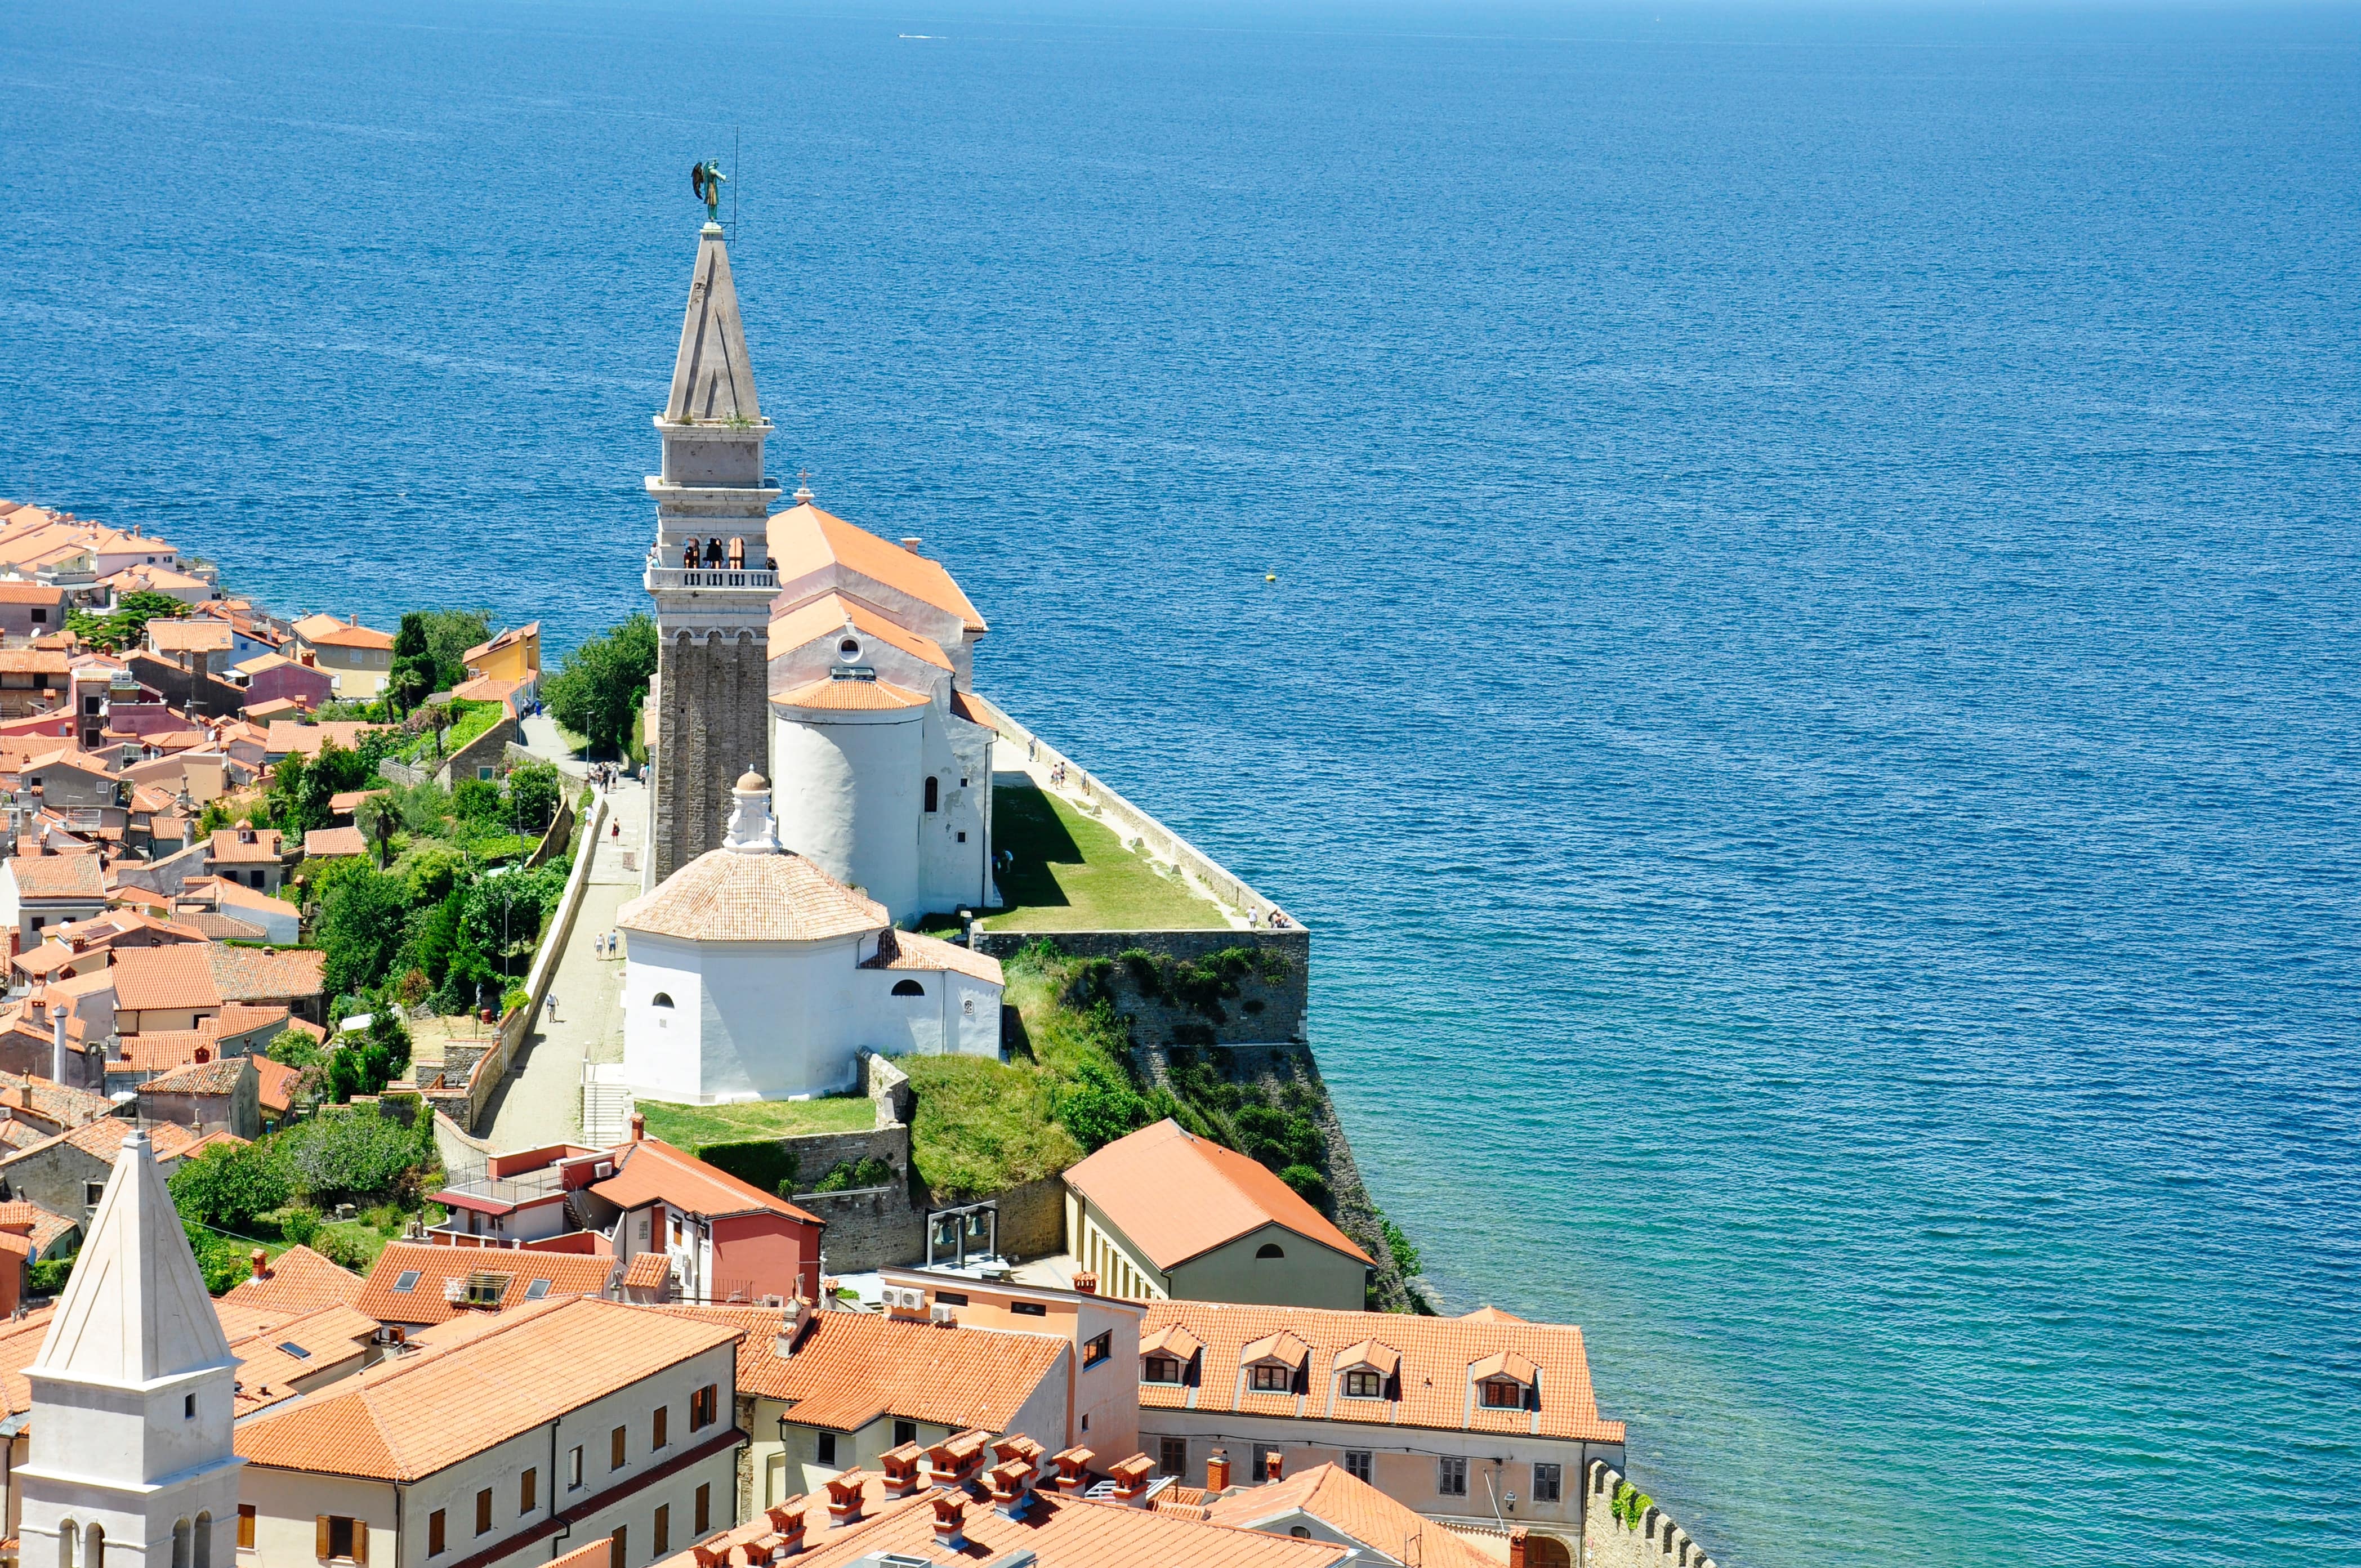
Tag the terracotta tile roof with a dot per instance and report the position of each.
(226, 846)
(596, 1554)
(806, 539)
(488, 689)
(219, 1076)
(345, 802)
(407, 1418)
(1436, 1383)
(647, 1271)
(275, 1085)
(567, 1274)
(500, 641)
(287, 736)
(908, 950)
(849, 1368)
(1131, 1181)
(33, 661)
(20, 1342)
(852, 697)
(1062, 1532)
(330, 631)
(103, 1140)
(827, 617)
(58, 876)
(273, 1359)
(71, 988)
(220, 927)
(298, 1281)
(1353, 1508)
(253, 898)
(208, 974)
(58, 1102)
(726, 896)
(204, 636)
(328, 844)
(220, 1137)
(47, 958)
(652, 1169)
(31, 593)
(44, 1227)
(964, 704)
(277, 707)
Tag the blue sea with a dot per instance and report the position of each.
(1810, 688)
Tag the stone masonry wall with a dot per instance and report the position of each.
(870, 1228)
(1607, 1542)
(1263, 1013)
(713, 706)
(489, 749)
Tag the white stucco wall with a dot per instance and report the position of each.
(749, 1020)
(845, 792)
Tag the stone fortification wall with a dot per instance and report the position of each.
(873, 1227)
(1608, 1543)
(489, 749)
(712, 724)
(1271, 995)
(1032, 1218)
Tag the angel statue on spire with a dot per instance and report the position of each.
(706, 179)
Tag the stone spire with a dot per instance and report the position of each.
(134, 1449)
(712, 379)
(135, 1308)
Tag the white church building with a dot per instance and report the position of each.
(133, 1460)
(753, 975)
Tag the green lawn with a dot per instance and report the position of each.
(1071, 874)
(693, 1127)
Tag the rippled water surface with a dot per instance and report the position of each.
(1810, 694)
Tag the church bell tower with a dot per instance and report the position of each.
(710, 574)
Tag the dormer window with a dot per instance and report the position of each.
(1503, 1393)
(1161, 1369)
(1364, 1384)
(1270, 1377)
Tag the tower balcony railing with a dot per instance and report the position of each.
(659, 578)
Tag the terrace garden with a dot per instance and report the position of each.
(1067, 871)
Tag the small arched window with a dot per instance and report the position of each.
(94, 1546)
(204, 1540)
(180, 1532)
(934, 793)
(1271, 1249)
(67, 1530)
(909, 988)
(661, 999)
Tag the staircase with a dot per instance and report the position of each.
(606, 1104)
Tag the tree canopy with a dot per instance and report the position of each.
(596, 692)
(125, 624)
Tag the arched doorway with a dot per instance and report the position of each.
(1546, 1552)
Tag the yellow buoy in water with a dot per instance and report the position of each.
(1270, 577)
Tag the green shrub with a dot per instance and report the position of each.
(300, 1226)
(765, 1164)
(230, 1185)
(50, 1276)
(1405, 1257)
(1309, 1184)
(344, 1248)
(357, 1155)
(853, 1176)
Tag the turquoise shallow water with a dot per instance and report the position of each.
(1810, 692)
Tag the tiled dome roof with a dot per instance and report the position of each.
(724, 896)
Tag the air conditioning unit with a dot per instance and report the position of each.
(904, 1299)
(775, 1302)
(605, 1169)
(944, 1314)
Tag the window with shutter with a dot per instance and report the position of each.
(484, 1511)
(704, 1507)
(246, 1527)
(615, 1442)
(437, 1535)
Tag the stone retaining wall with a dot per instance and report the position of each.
(1607, 1542)
(1265, 1012)
(871, 1227)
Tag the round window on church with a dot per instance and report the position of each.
(848, 649)
(661, 999)
(909, 988)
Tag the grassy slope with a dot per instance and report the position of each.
(981, 1125)
(1071, 874)
(692, 1128)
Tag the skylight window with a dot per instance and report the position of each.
(297, 1351)
(536, 1290)
(408, 1282)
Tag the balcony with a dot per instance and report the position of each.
(522, 1188)
(660, 578)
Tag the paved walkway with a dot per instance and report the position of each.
(540, 1101)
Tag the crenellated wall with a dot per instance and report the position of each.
(1607, 1542)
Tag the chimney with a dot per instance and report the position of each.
(901, 1467)
(260, 1263)
(1217, 1471)
(1131, 1479)
(843, 1500)
(950, 1521)
(638, 1126)
(789, 1524)
(954, 1461)
(1086, 1284)
(792, 1323)
(1073, 1470)
(1517, 1548)
(1017, 1446)
(1009, 1484)
(911, 544)
(1271, 1465)
(57, 1045)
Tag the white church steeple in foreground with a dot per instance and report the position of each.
(133, 1460)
